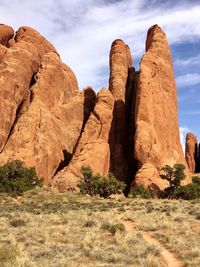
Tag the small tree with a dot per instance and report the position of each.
(140, 191)
(16, 179)
(174, 175)
(103, 186)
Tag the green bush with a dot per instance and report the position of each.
(118, 227)
(174, 175)
(196, 180)
(16, 179)
(187, 192)
(190, 191)
(140, 191)
(103, 186)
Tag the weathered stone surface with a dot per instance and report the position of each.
(6, 33)
(18, 65)
(120, 71)
(46, 134)
(191, 151)
(157, 139)
(93, 148)
(120, 62)
(148, 175)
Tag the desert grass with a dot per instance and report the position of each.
(44, 228)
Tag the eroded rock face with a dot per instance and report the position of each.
(6, 33)
(157, 139)
(46, 133)
(18, 64)
(121, 72)
(93, 149)
(191, 151)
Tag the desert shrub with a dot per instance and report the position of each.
(196, 180)
(187, 192)
(174, 175)
(16, 179)
(17, 223)
(103, 186)
(140, 191)
(117, 227)
(113, 228)
(90, 223)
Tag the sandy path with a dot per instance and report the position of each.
(169, 259)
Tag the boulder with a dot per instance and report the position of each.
(148, 175)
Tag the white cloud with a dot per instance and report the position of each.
(188, 61)
(188, 79)
(82, 31)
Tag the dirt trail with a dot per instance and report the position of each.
(168, 258)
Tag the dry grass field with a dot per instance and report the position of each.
(44, 228)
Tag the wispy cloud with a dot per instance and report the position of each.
(188, 61)
(188, 79)
(192, 112)
(82, 31)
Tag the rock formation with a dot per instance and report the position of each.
(191, 152)
(43, 113)
(19, 63)
(130, 129)
(6, 33)
(93, 148)
(120, 83)
(157, 139)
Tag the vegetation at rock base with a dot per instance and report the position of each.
(140, 192)
(174, 175)
(104, 186)
(190, 191)
(16, 179)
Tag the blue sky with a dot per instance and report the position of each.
(82, 32)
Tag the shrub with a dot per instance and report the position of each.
(187, 192)
(16, 179)
(103, 186)
(118, 227)
(174, 175)
(17, 223)
(140, 191)
(196, 180)
(113, 228)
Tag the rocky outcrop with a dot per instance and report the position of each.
(6, 33)
(93, 148)
(121, 78)
(42, 111)
(130, 129)
(18, 65)
(191, 152)
(47, 132)
(157, 139)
